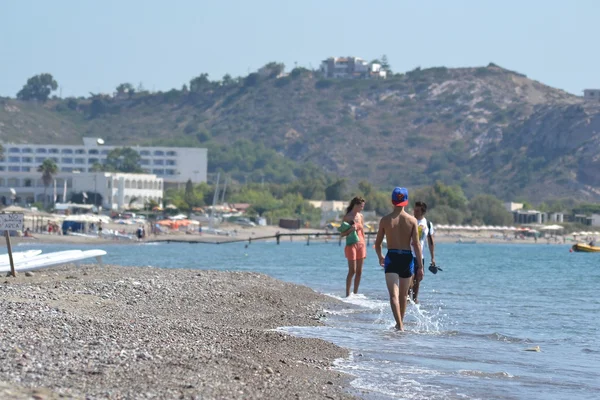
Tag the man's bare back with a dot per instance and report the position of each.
(399, 229)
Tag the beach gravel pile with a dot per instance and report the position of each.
(148, 333)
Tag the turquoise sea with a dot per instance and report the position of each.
(468, 337)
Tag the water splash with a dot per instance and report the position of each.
(423, 321)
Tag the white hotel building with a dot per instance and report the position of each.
(164, 165)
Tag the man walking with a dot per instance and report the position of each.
(425, 232)
(399, 229)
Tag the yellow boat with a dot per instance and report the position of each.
(586, 248)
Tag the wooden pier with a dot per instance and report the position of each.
(310, 235)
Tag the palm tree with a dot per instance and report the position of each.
(48, 170)
(133, 200)
(97, 167)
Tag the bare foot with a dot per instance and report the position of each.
(399, 328)
(416, 301)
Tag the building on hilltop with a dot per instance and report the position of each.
(351, 67)
(591, 94)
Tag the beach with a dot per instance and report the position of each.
(244, 233)
(188, 326)
(141, 332)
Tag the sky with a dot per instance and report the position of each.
(93, 46)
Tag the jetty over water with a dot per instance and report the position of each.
(315, 236)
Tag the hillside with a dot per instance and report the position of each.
(487, 129)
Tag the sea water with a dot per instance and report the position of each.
(468, 338)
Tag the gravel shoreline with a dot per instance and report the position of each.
(98, 332)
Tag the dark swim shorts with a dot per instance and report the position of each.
(399, 262)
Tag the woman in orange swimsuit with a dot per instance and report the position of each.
(355, 250)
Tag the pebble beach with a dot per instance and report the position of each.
(111, 332)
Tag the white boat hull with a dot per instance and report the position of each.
(19, 255)
(52, 259)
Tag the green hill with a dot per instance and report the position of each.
(487, 129)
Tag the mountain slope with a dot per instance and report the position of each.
(487, 129)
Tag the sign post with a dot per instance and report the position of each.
(11, 222)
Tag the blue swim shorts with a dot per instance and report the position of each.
(399, 262)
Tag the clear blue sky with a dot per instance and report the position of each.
(92, 46)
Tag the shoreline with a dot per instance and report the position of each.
(258, 233)
(141, 332)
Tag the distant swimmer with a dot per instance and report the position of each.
(355, 249)
(399, 229)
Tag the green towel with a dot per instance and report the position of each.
(352, 237)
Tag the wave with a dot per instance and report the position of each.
(363, 301)
(504, 338)
(493, 336)
(482, 374)
(398, 383)
(590, 351)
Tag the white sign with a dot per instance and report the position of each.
(11, 222)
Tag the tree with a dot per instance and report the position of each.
(72, 103)
(123, 160)
(133, 200)
(488, 210)
(252, 79)
(385, 65)
(48, 169)
(440, 194)
(1, 152)
(199, 83)
(97, 107)
(445, 215)
(261, 200)
(380, 202)
(38, 88)
(272, 69)
(336, 191)
(189, 196)
(227, 80)
(151, 205)
(365, 188)
(126, 88)
(97, 167)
